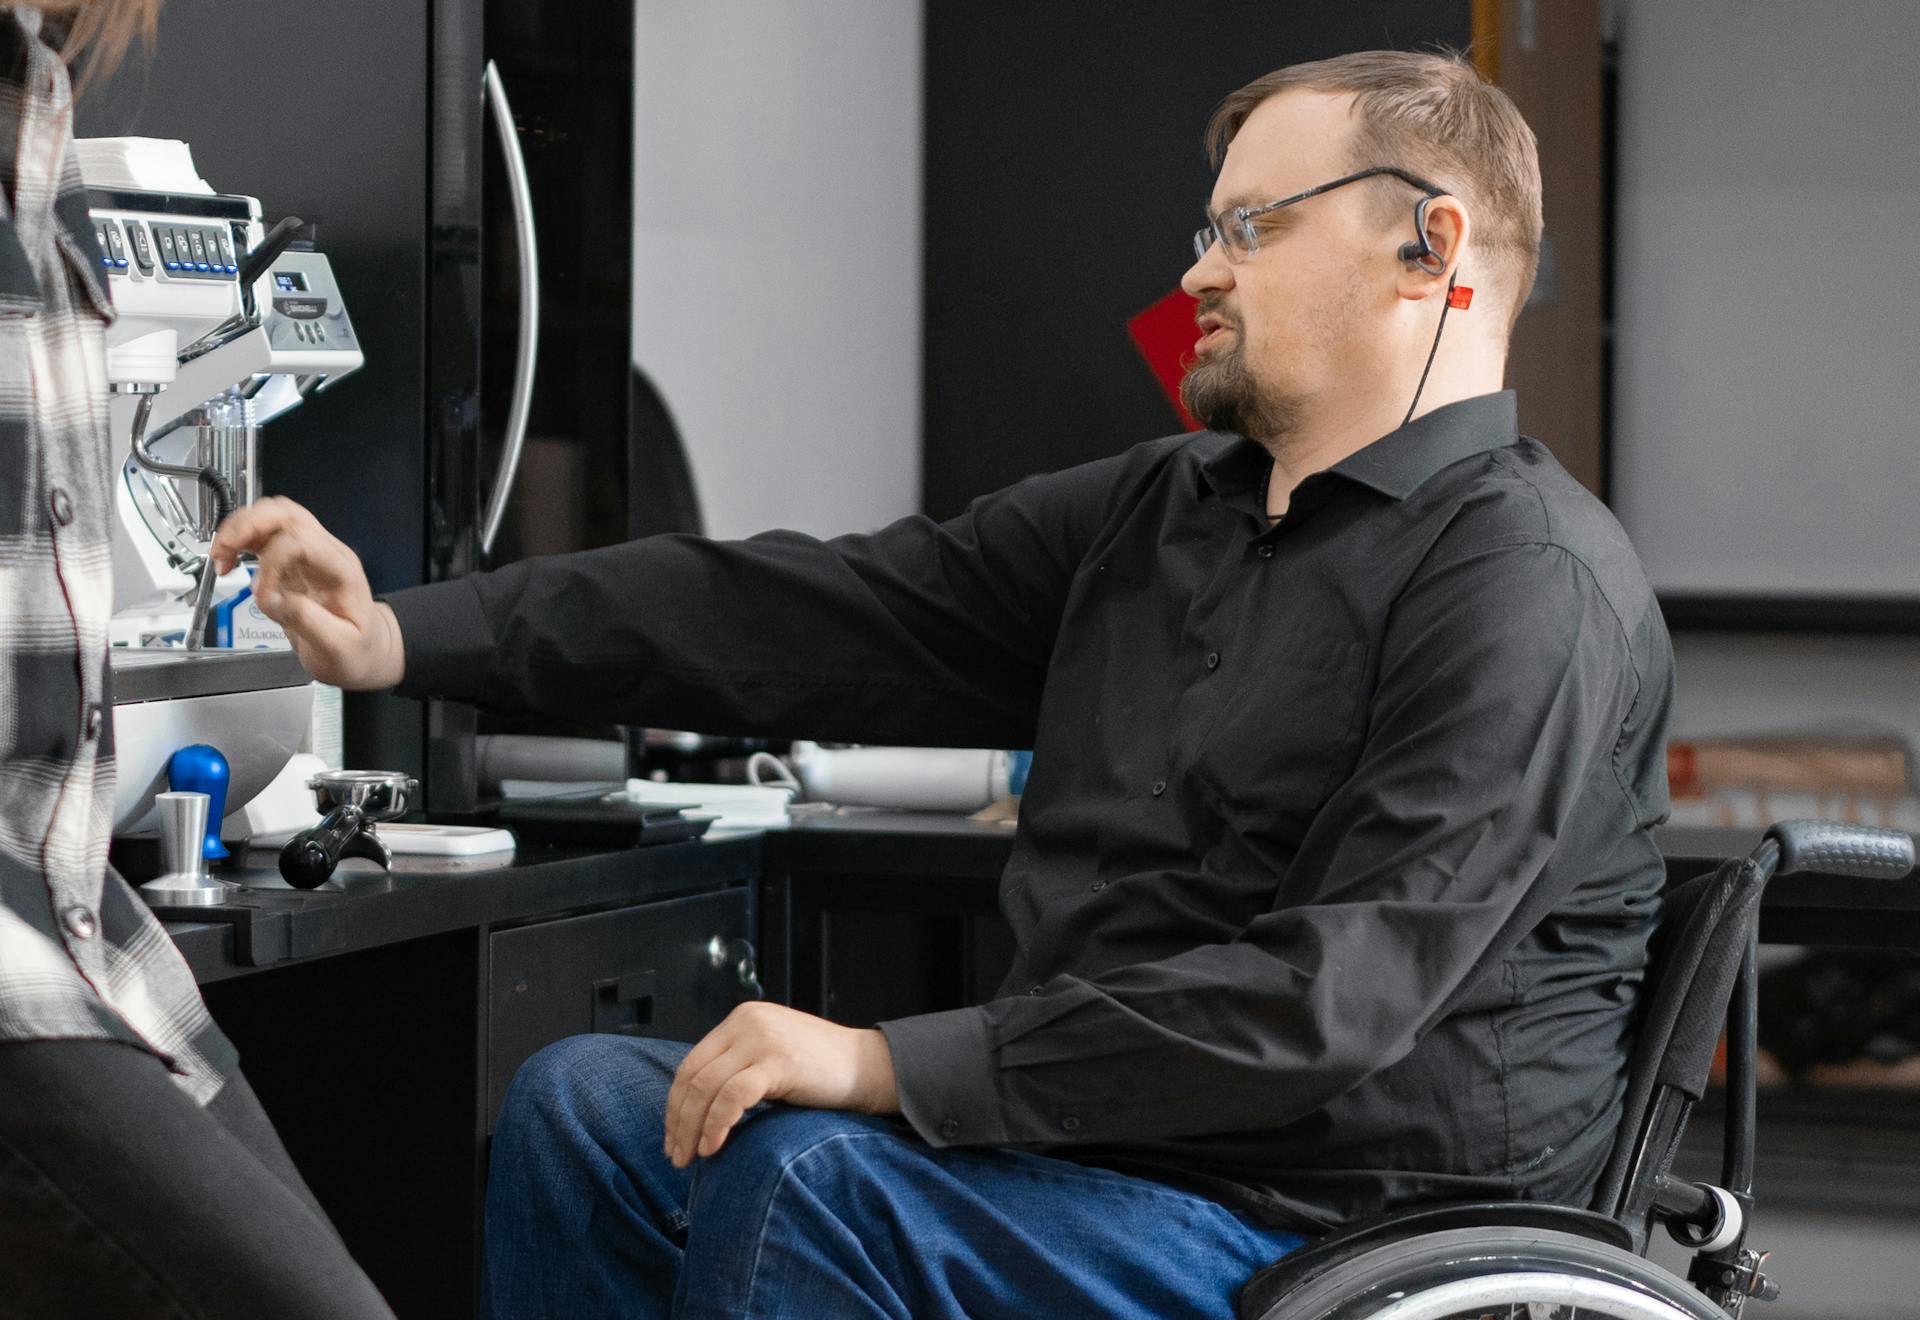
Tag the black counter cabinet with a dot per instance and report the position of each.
(381, 1017)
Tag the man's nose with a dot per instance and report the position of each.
(1211, 271)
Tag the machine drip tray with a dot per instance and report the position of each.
(169, 673)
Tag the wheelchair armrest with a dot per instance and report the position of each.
(1259, 1293)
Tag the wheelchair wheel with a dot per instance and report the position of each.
(1494, 1274)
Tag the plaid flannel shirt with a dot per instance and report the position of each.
(81, 957)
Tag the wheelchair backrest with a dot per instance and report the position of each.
(1693, 958)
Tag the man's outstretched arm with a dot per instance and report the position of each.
(921, 632)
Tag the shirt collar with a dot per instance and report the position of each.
(1397, 463)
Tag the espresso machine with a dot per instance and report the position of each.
(221, 325)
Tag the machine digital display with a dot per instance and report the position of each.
(290, 281)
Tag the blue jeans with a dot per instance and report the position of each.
(821, 1215)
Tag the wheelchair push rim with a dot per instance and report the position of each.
(1531, 1296)
(1503, 1274)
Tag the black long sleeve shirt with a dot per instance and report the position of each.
(1334, 872)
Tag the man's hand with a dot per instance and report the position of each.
(766, 1052)
(312, 585)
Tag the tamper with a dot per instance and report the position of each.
(202, 769)
(183, 840)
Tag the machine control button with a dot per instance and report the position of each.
(142, 246)
(168, 256)
(226, 254)
(81, 923)
(197, 246)
(62, 505)
(94, 719)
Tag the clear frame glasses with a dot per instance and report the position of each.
(1234, 231)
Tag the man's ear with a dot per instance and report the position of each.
(1448, 229)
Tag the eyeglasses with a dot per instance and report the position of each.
(1234, 231)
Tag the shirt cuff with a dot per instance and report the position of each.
(448, 642)
(943, 1071)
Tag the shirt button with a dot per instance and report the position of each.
(81, 923)
(1213, 659)
(1159, 787)
(62, 507)
(93, 719)
(950, 1128)
(1098, 885)
(1070, 1123)
(1033, 990)
(1265, 552)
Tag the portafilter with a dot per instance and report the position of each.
(351, 801)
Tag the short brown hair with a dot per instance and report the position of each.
(1431, 114)
(99, 31)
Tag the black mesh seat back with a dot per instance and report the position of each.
(1688, 1058)
(1692, 959)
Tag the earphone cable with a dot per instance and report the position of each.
(1446, 304)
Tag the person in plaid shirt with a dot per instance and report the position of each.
(138, 1173)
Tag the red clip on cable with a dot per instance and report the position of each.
(1460, 297)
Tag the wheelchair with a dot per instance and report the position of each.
(1524, 1260)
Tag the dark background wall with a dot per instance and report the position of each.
(1064, 176)
(320, 111)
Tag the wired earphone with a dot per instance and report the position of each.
(1418, 251)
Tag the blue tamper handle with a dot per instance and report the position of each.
(201, 769)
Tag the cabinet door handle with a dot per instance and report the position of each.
(623, 1005)
(739, 953)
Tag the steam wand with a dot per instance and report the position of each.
(222, 493)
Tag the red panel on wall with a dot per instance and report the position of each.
(1165, 335)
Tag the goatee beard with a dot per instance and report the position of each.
(1223, 395)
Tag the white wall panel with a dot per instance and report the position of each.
(1766, 433)
(777, 213)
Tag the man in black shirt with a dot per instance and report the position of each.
(1334, 873)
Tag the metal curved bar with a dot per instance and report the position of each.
(529, 347)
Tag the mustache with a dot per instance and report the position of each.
(1216, 307)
